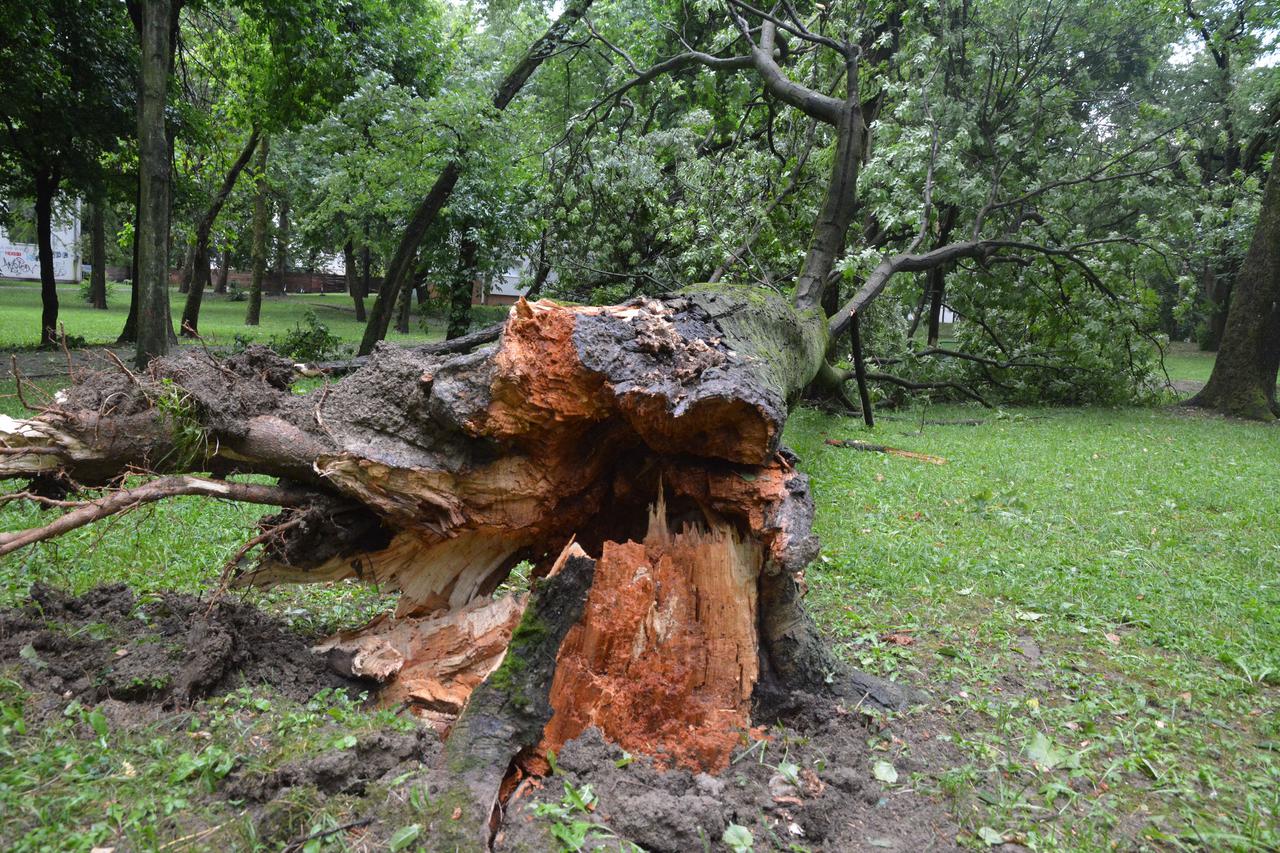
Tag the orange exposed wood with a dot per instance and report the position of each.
(665, 657)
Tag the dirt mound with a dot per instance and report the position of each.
(166, 650)
(809, 784)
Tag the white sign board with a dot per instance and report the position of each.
(22, 260)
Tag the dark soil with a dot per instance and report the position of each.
(166, 651)
(837, 806)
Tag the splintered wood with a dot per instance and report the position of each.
(432, 664)
(665, 656)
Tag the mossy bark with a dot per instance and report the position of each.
(1243, 382)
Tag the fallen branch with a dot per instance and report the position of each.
(166, 487)
(880, 448)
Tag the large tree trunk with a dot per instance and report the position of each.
(261, 223)
(463, 287)
(1243, 382)
(282, 247)
(353, 279)
(155, 325)
(46, 188)
(98, 254)
(632, 452)
(129, 334)
(224, 268)
(200, 275)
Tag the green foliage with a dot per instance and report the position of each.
(308, 340)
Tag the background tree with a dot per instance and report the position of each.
(65, 68)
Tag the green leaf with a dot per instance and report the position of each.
(885, 772)
(28, 654)
(98, 720)
(1045, 753)
(404, 836)
(738, 839)
(990, 836)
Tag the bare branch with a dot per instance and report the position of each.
(127, 499)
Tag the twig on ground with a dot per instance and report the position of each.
(880, 448)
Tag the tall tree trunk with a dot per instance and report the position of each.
(224, 268)
(200, 277)
(1243, 382)
(282, 247)
(461, 294)
(404, 306)
(188, 269)
(155, 325)
(98, 253)
(46, 188)
(352, 275)
(366, 282)
(401, 265)
(129, 334)
(261, 222)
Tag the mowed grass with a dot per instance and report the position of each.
(1092, 597)
(1183, 360)
(221, 320)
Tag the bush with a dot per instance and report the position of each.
(309, 340)
(86, 294)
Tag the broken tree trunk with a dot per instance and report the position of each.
(646, 434)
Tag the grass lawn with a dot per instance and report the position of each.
(220, 319)
(1184, 360)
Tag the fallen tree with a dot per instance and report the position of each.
(641, 439)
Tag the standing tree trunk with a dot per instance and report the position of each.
(46, 188)
(200, 275)
(401, 265)
(282, 247)
(224, 268)
(365, 282)
(98, 254)
(261, 222)
(352, 274)
(404, 306)
(1243, 382)
(464, 282)
(155, 325)
(129, 334)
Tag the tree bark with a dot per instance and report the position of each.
(463, 286)
(129, 334)
(98, 254)
(404, 306)
(224, 268)
(1243, 382)
(46, 188)
(261, 223)
(155, 325)
(282, 247)
(401, 265)
(353, 279)
(204, 228)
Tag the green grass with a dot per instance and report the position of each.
(1186, 361)
(1091, 596)
(1137, 549)
(221, 320)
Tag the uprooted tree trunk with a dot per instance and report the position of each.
(630, 454)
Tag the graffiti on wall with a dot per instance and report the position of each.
(22, 260)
